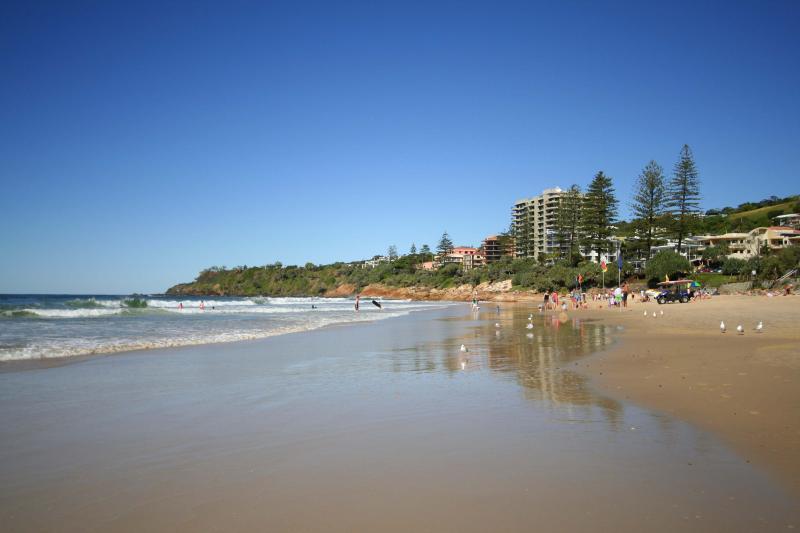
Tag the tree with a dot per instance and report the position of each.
(392, 252)
(683, 195)
(598, 214)
(648, 200)
(445, 245)
(520, 230)
(413, 250)
(568, 224)
(733, 266)
(425, 249)
(715, 254)
(666, 263)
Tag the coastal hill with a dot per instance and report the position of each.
(504, 279)
(398, 279)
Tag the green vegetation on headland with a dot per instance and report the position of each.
(343, 279)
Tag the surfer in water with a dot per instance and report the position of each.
(377, 304)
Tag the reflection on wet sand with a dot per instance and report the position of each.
(537, 358)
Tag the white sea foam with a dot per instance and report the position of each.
(91, 308)
(151, 329)
(75, 313)
(167, 304)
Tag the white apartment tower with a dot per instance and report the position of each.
(534, 221)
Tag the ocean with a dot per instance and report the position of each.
(38, 326)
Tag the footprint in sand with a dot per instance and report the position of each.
(754, 412)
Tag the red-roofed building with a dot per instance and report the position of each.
(466, 256)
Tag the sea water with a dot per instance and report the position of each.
(52, 326)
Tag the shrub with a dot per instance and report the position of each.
(733, 266)
(664, 264)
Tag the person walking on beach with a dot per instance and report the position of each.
(625, 291)
(358, 300)
(546, 300)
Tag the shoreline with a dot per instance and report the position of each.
(741, 388)
(14, 365)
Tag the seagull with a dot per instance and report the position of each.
(654, 314)
(529, 326)
(662, 312)
(722, 327)
(497, 324)
(645, 313)
(760, 327)
(529, 335)
(464, 348)
(530, 317)
(740, 329)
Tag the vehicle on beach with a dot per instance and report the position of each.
(652, 294)
(674, 291)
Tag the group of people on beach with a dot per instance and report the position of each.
(578, 299)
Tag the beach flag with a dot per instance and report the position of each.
(603, 266)
(619, 260)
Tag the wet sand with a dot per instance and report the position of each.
(371, 427)
(744, 388)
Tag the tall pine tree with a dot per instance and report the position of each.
(413, 250)
(599, 213)
(445, 245)
(648, 201)
(568, 224)
(683, 195)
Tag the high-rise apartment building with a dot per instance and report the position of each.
(534, 221)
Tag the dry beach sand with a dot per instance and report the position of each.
(743, 387)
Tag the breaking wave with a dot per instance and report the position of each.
(57, 327)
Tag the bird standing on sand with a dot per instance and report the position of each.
(463, 348)
(654, 314)
(497, 324)
(530, 325)
(662, 312)
(760, 327)
(722, 327)
(740, 329)
(645, 313)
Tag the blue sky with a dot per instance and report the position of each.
(142, 143)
